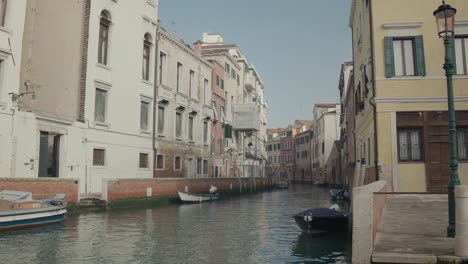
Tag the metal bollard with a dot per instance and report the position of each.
(461, 221)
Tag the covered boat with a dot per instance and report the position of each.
(321, 220)
(18, 210)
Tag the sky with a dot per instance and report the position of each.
(297, 46)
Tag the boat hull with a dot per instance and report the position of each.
(196, 197)
(322, 220)
(18, 219)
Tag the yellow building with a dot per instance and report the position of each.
(401, 93)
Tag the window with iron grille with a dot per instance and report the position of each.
(99, 157)
(143, 162)
(462, 143)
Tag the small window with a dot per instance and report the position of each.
(461, 54)
(238, 80)
(190, 128)
(99, 157)
(161, 110)
(103, 47)
(227, 68)
(191, 79)
(404, 58)
(217, 80)
(162, 64)
(199, 166)
(205, 166)
(146, 57)
(178, 124)
(3, 5)
(144, 115)
(205, 132)
(177, 163)
(409, 144)
(143, 163)
(462, 143)
(323, 147)
(222, 84)
(179, 76)
(159, 162)
(100, 106)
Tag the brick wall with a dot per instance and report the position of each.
(135, 188)
(43, 188)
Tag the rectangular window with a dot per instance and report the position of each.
(409, 143)
(233, 73)
(404, 58)
(143, 161)
(238, 80)
(222, 84)
(199, 166)
(190, 127)
(217, 80)
(205, 132)
(462, 143)
(205, 90)
(146, 60)
(144, 115)
(100, 106)
(3, 5)
(227, 68)
(99, 157)
(161, 110)
(103, 37)
(177, 163)
(205, 166)
(159, 162)
(323, 147)
(178, 124)
(298, 155)
(162, 63)
(191, 76)
(179, 76)
(461, 54)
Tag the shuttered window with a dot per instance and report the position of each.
(409, 144)
(404, 56)
(461, 54)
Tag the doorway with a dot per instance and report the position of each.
(49, 149)
(191, 168)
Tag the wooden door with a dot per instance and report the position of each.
(438, 158)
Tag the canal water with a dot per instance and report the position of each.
(255, 228)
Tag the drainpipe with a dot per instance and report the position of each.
(374, 95)
(155, 97)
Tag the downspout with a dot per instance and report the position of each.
(371, 100)
(155, 97)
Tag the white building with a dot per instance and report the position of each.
(92, 75)
(184, 113)
(326, 130)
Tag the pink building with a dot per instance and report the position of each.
(218, 102)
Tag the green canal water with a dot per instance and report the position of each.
(255, 228)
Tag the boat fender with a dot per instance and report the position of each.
(308, 218)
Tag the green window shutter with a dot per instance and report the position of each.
(227, 131)
(451, 47)
(389, 60)
(419, 56)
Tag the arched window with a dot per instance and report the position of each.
(104, 26)
(3, 5)
(146, 57)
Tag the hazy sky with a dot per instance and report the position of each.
(297, 46)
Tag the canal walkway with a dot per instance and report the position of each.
(413, 230)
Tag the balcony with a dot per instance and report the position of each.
(164, 94)
(181, 100)
(207, 112)
(194, 106)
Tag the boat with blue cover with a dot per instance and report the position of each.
(322, 220)
(19, 210)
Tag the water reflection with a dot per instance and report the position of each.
(257, 228)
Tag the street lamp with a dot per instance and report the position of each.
(445, 19)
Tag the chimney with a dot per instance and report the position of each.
(182, 41)
(197, 45)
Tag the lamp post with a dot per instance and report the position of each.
(445, 19)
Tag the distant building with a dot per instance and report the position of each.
(303, 159)
(326, 131)
(346, 88)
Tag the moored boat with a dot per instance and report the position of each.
(321, 220)
(19, 210)
(282, 185)
(187, 197)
